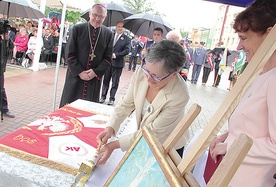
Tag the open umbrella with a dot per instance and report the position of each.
(20, 8)
(218, 50)
(52, 14)
(232, 56)
(47, 20)
(115, 13)
(144, 24)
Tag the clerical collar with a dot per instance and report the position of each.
(93, 26)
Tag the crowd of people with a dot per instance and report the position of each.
(23, 35)
(21, 45)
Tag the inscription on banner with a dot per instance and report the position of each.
(73, 149)
(21, 138)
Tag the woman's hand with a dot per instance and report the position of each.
(219, 149)
(107, 150)
(218, 139)
(215, 147)
(105, 135)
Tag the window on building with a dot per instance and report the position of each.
(233, 40)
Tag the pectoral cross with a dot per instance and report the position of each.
(92, 55)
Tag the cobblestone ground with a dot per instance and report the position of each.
(30, 95)
(209, 98)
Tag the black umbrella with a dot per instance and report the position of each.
(231, 57)
(20, 8)
(115, 13)
(218, 50)
(144, 24)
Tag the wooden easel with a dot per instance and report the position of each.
(178, 169)
(229, 104)
(163, 153)
(169, 159)
(224, 172)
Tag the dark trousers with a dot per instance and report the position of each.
(46, 55)
(206, 73)
(63, 53)
(216, 78)
(196, 72)
(134, 60)
(114, 73)
(4, 103)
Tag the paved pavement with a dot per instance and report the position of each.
(31, 94)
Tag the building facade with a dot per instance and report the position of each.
(222, 34)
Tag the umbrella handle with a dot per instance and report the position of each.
(148, 29)
(9, 5)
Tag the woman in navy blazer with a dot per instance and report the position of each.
(157, 93)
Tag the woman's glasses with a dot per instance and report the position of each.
(157, 79)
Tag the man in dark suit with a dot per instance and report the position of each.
(136, 47)
(121, 47)
(11, 33)
(65, 37)
(156, 37)
(48, 44)
(190, 54)
(7, 44)
(198, 60)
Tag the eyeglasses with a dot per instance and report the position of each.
(98, 16)
(157, 79)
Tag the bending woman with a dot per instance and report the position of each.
(157, 93)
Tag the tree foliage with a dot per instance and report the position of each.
(71, 16)
(139, 6)
(183, 33)
(142, 6)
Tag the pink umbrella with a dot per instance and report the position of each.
(47, 20)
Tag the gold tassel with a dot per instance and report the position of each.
(38, 160)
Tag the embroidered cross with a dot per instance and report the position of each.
(92, 55)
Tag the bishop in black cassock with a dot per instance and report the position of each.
(79, 58)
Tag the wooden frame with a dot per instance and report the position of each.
(145, 143)
(166, 155)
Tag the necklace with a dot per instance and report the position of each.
(92, 55)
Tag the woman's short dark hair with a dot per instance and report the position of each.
(170, 53)
(258, 17)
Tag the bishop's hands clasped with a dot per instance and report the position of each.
(87, 75)
(108, 147)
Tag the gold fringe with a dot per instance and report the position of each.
(38, 160)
